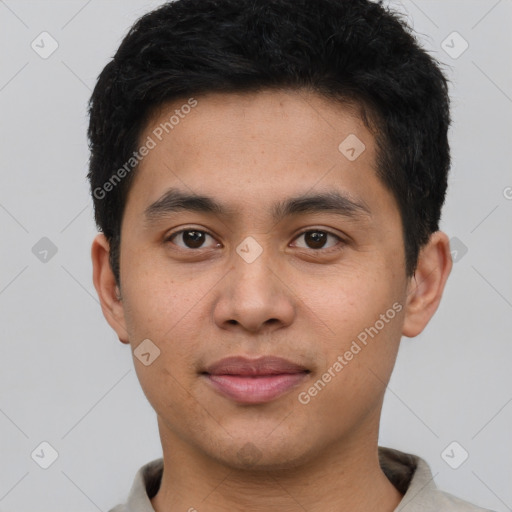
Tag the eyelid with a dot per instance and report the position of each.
(182, 230)
(315, 228)
(341, 239)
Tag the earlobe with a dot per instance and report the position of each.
(106, 287)
(426, 287)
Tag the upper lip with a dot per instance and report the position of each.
(265, 365)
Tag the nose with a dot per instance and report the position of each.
(255, 296)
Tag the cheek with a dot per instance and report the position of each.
(351, 300)
(169, 320)
(364, 316)
(158, 300)
(353, 381)
(158, 309)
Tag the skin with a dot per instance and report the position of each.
(299, 301)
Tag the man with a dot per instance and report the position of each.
(268, 178)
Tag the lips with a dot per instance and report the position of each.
(254, 367)
(253, 381)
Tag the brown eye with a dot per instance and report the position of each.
(190, 238)
(316, 239)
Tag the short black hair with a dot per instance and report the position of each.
(356, 52)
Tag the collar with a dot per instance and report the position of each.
(410, 474)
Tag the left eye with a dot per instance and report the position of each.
(192, 238)
(316, 239)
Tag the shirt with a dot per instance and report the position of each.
(410, 474)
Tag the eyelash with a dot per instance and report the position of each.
(329, 249)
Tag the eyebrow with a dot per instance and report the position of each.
(176, 200)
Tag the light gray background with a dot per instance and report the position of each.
(67, 380)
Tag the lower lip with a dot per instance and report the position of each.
(255, 390)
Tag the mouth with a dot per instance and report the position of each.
(254, 381)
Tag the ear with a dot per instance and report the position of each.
(426, 286)
(106, 287)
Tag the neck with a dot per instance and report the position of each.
(344, 477)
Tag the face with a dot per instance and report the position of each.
(292, 263)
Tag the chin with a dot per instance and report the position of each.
(262, 454)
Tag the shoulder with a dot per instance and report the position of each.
(433, 500)
(452, 503)
(412, 476)
(144, 487)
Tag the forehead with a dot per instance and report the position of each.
(247, 148)
(288, 122)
